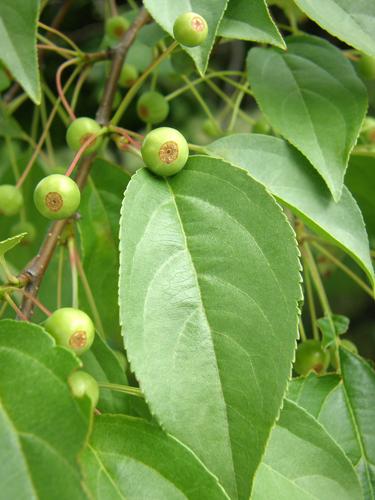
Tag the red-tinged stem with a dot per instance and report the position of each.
(37, 302)
(79, 153)
(60, 89)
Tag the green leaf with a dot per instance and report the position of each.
(288, 176)
(340, 326)
(42, 428)
(165, 13)
(348, 414)
(18, 28)
(100, 210)
(10, 243)
(352, 22)
(313, 97)
(311, 391)
(360, 179)
(131, 458)
(250, 20)
(209, 285)
(302, 462)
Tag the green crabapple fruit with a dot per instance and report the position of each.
(11, 200)
(261, 126)
(366, 66)
(71, 328)
(368, 130)
(311, 356)
(128, 75)
(24, 227)
(165, 151)
(80, 130)
(152, 107)
(116, 27)
(82, 384)
(190, 29)
(57, 196)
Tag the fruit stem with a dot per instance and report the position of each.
(14, 306)
(137, 84)
(73, 268)
(8, 275)
(36, 301)
(81, 150)
(197, 148)
(344, 268)
(201, 102)
(3, 308)
(60, 271)
(59, 87)
(236, 109)
(77, 89)
(39, 146)
(61, 35)
(310, 300)
(302, 332)
(127, 389)
(89, 296)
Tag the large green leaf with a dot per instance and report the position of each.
(133, 459)
(250, 20)
(165, 13)
(288, 176)
(18, 27)
(100, 210)
(361, 181)
(348, 414)
(42, 428)
(351, 21)
(346, 410)
(302, 462)
(313, 97)
(209, 284)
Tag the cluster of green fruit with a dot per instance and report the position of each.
(74, 330)
(311, 356)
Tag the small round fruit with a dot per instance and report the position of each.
(57, 196)
(152, 107)
(71, 328)
(116, 27)
(310, 356)
(128, 75)
(80, 130)
(24, 227)
(82, 384)
(261, 126)
(190, 29)
(366, 66)
(11, 200)
(165, 151)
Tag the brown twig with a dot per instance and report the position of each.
(35, 271)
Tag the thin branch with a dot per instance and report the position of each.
(35, 271)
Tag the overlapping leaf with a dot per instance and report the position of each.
(352, 22)
(302, 462)
(313, 97)
(131, 458)
(209, 284)
(289, 177)
(250, 20)
(165, 13)
(42, 428)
